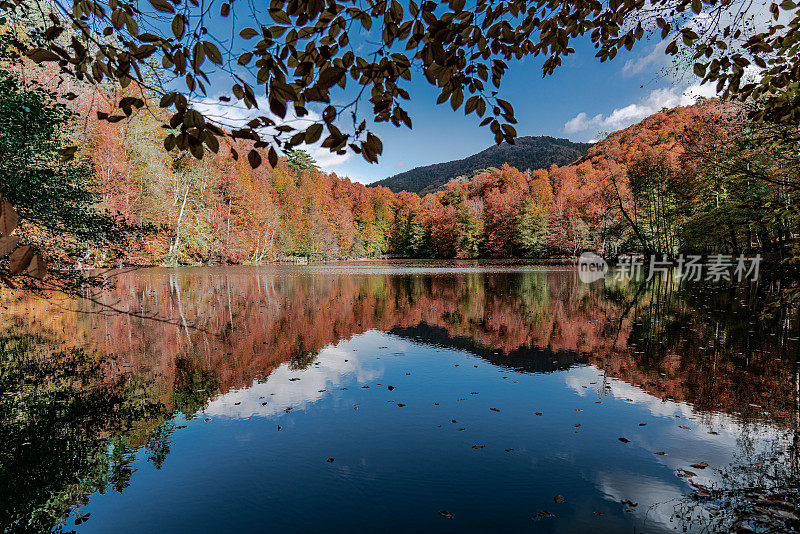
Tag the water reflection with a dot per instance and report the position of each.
(168, 409)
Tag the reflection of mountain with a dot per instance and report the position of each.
(529, 359)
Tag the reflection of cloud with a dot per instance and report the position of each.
(279, 393)
(656, 497)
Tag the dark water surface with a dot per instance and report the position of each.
(398, 398)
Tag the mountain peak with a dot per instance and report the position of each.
(530, 152)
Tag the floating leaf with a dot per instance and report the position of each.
(20, 259)
(7, 244)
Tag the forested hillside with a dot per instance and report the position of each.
(528, 153)
(698, 178)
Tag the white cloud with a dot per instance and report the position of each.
(656, 58)
(236, 115)
(633, 113)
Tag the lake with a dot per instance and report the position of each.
(399, 397)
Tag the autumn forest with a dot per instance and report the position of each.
(698, 178)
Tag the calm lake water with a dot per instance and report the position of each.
(398, 398)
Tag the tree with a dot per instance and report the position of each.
(55, 199)
(300, 160)
(298, 53)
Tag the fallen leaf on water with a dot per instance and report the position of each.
(660, 453)
(624, 440)
(400, 404)
(390, 388)
(207, 419)
(538, 413)
(329, 460)
(446, 514)
(478, 446)
(293, 379)
(576, 426)
(558, 498)
(642, 424)
(287, 410)
(542, 514)
(701, 465)
(630, 503)
(494, 409)
(715, 433)
(684, 427)
(509, 450)
(598, 513)
(683, 473)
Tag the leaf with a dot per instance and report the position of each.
(248, 33)
(20, 259)
(179, 25)
(8, 217)
(558, 498)
(624, 440)
(279, 16)
(446, 514)
(37, 267)
(163, 5)
(313, 133)
(254, 158)
(212, 52)
(7, 244)
(40, 55)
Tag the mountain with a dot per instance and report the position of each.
(528, 153)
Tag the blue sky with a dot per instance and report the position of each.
(611, 96)
(582, 99)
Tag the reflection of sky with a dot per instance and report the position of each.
(656, 497)
(333, 367)
(455, 432)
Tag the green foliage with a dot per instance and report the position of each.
(531, 229)
(53, 196)
(57, 407)
(300, 160)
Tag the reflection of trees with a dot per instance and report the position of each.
(695, 343)
(758, 492)
(69, 427)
